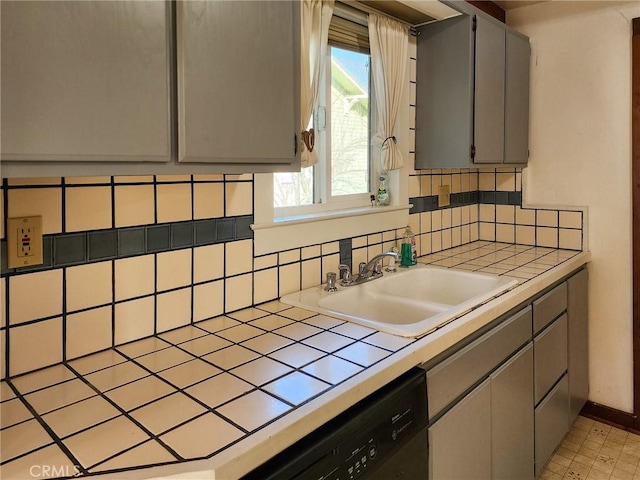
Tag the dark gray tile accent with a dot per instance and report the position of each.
(224, 229)
(205, 232)
(502, 198)
(158, 238)
(346, 247)
(243, 227)
(69, 249)
(102, 245)
(181, 235)
(131, 241)
(515, 198)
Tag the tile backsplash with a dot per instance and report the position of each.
(130, 257)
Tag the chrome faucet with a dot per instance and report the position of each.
(367, 271)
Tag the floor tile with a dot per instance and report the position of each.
(69, 420)
(352, 330)
(322, 321)
(212, 432)
(112, 377)
(362, 354)
(298, 331)
(271, 322)
(266, 343)
(44, 401)
(260, 371)
(219, 389)
(13, 412)
(217, 324)
(182, 334)
(22, 438)
(388, 342)
(42, 378)
(139, 392)
(240, 333)
(189, 373)
(230, 357)
(296, 387)
(168, 412)
(253, 410)
(24, 467)
(101, 442)
(149, 453)
(163, 359)
(297, 355)
(205, 345)
(328, 341)
(332, 370)
(97, 361)
(142, 347)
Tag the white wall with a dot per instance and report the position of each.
(581, 155)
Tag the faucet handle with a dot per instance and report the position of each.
(331, 282)
(345, 274)
(361, 268)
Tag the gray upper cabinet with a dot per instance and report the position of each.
(472, 97)
(86, 81)
(236, 78)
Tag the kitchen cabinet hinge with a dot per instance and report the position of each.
(473, 152)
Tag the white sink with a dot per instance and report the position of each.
(410, 302)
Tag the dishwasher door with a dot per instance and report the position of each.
(383, 437)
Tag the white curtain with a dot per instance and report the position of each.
(388, 40)
(316, 16)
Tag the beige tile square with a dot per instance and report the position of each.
(352, 330)
(35, 346)
(311, 275)
(487, 181)
(189, 373)
(205, 345)
(116, 376)
(271, 322)
(105, 180)
(487, 231)
(298, 331)
(248, 314)
(173, 202)
(69, 420)
(332, 370)
(547, 237)
(144, 346)
(505, 214)
(388, 342)
(209, 177)
(34, 181)
(140, 392)
(3, 363)
(260, 371)
(297, 355)
(88, 332)
(506, 182)
(265, 261)
(266, 343)
(163, 359)
(173, 309)
(362, 354)
(134, 277)
(134, 320)
(217, 324)
(173, 269)
(239, 198)
(212, 433)
(3, 297)
(208, 263)
(22, 306)
(230, 357)
(173, 178)
(133, 179)
(487, 213)
(570, 239)
(208, 200)
(97, 361)
(505, 233)
(148, 453)
(219, 389)
(330, 247)
(105, 440)
(240, 333)
(570, 219)
(87, 208)
(20, 439)
(525, 216)
(265, 285)
(239, 257)
(208, 300)
(547, 218)
(254, 410)
(183, 334)
(47, 202)
(23, 467)
(13, 412)
(322, 321)
(60, 395)
(89, 285)
(238, 292)
(525, 235)
(289, 256)
(168, 412)
(134, 205)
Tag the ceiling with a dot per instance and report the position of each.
(511, 4)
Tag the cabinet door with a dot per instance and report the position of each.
(577, 310)
(237, 71)
(551, 422)
(516, 124)
(489, 92)
(86, 81)
(460, 441)
(512, 450)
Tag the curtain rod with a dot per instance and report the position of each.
(367, 9)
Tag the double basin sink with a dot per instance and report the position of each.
(410, 302)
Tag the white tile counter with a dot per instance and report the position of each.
(219, 397)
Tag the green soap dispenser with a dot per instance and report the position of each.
(408, 252)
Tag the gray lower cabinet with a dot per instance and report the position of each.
(551, 422)
(460, 441)
(578, 316)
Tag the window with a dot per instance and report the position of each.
(342, 124)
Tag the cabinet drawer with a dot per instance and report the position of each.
(447, 380)
(550, 357)
(549, 306)
(551, 422)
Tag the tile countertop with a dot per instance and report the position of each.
(217, 398)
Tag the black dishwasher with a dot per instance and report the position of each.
(383, 437)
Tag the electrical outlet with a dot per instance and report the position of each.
(24, 242)
(444, 195)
